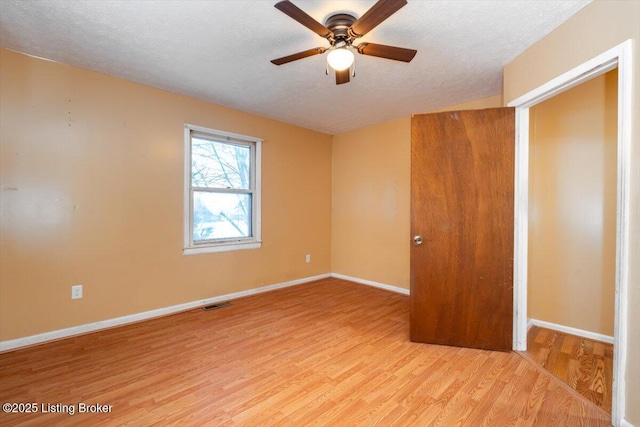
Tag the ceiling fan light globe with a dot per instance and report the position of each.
(340, 59)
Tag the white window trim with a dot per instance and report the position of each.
(254, 242)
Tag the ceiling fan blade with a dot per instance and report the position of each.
(299, 55)
(374, 16)
(342, 76)
(388, 52)
(299, 15)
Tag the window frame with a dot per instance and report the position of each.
(229, 244)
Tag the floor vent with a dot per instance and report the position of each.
(218, 305)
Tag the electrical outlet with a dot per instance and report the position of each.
(307, 258)
(76, 292)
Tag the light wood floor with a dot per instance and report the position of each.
(329, 353)
(583, 364)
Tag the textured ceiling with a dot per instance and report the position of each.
(219, 51)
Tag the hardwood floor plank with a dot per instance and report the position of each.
(329, 353)
(584, 365)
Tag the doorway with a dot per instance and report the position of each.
(572, 236)
(620, 57)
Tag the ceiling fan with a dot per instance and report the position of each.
(342, 30)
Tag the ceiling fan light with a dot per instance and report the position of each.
(340, 59)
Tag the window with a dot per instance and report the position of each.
(222, 191)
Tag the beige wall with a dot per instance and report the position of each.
(572, 207)
(370, 216)
(595, 29)
(91, 176)
(371, 199)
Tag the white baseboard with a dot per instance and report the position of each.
(372, 283)
(569, 330)
(625, 423)
(109, 323)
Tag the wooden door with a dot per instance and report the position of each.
(462, 179)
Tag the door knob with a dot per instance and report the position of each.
(417, 240)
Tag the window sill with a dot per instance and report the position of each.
(196, 250)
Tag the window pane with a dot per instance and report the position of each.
(221, 215)
(219, 165)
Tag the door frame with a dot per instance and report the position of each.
(619, 56)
